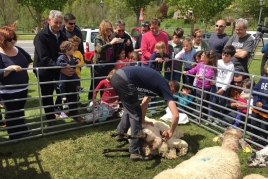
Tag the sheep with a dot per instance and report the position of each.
(254, 176)
(211, 162)
(259, 159)
(155, 146)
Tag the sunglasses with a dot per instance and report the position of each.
(220, 26)
(10, 39)
(237, 82)
(121, 30)
(144, 24)
(71, 23)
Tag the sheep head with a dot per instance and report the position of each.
(231, 137)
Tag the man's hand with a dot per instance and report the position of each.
(259, 104)
(67, 71)
(166, 135)
(219, 92)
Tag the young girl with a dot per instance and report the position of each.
(203, 70)
(134, 58)
(244, 98)
(187, 54)
(197, 59)
(159, 56)
(109, 95)
(121, 59)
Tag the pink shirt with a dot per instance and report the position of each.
(148, 42)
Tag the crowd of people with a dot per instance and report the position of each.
(207, 70)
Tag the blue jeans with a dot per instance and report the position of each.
(145, 65)
(217, 100)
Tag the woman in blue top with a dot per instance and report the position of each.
(12, 60)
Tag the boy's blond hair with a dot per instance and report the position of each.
(187, 40)
(134, 55)
(66, 46)
(111, 73)
(75, 39)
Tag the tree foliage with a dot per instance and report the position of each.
(202, 9)
(9, 12)
(37, 7)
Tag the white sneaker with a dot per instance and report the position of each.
(62, 115)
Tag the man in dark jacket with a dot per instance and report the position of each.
(70, 29)
(144, 28)
(46, 52)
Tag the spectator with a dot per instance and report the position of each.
(144, 28)
(224, 77)
(130, 82)
(243, 43)
(187, 54)
(47, 47)
(66, 59)
(134, 58)
(198, 43)
(263, 61)
(109, 95)
(234, 94)
(158, 57)
(184, 98)
(103, 54)
(175, 45)
(218, 39)
(71, 29)
(149, 40)
(121, 59)
(203, 72)
(119, 32)
(259, 112)
(12, 60)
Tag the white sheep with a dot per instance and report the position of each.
(254, 176)
(212, 162)
(154, 145)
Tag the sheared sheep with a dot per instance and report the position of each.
(254, 176)
(154, 145)
(212, 162)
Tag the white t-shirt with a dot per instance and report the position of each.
(224, 77)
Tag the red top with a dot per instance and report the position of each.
(120, 63)
(107, 93)
(148, 42)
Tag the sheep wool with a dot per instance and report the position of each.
(254, 176)
(210, 163)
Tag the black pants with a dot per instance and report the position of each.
(259, 125)
(17, 117)
(48, 102)
(132, 116)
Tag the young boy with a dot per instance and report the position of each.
(67, 60)
(225, 73)
(175, 45)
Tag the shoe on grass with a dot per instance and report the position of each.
(138, 157)
(119, 138)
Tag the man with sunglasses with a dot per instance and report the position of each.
(119, 32)
(144, 28)
(243, 43)
(218, 40)
(71, 29)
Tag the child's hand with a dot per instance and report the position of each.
(220, 91)
(259, 104)
(192, 65)
(166, 59)
(68, 66)
(197, 76)
(159, 60)
(184, 72)
(77, 61)
(168, 69)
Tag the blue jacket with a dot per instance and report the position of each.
(183, 100)
(63, 60)
(262, 87)
(155, 65)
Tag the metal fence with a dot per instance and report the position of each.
(36, 121)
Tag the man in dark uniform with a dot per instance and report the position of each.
(130, 82)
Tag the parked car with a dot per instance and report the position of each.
(89, 34)
(265, 37)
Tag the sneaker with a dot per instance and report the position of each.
(216, 122)
(65, 107)
(138, 157)
(210, 120)
(62, 115)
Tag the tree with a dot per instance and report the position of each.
(195, 10)
(37, 8)
(9, 11)
(163, 10)
(135, 5)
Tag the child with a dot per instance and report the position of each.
(158, 57)
(77, 54)
(67, 59)
(183, 97)
(175, 46)
(201, 71)
(244, 98)
(197, 59)
(121, 59)
(225, 73)
(260, 101)
(134, 58)
(187, 54)
(109, 95)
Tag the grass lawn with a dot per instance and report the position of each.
(78, 154)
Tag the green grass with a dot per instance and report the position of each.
(25, 37)
(78, 154)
